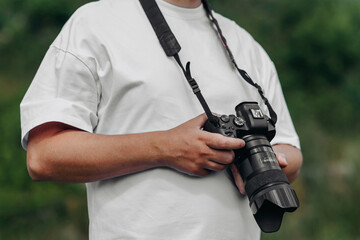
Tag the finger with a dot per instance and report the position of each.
(238, 180)
(219, 160)
(224, 157)
(216, 114)
(201, 172)
(215, 166)
(218, 141)
(281, 157)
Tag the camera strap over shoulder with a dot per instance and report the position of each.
(242, 72)
(171, 47)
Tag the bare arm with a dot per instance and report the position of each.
(290, 159)
(58, 152)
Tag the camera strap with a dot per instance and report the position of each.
(171, 47)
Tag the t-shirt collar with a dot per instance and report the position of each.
(181, 12)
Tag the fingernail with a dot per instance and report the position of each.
(242, 192)
(283, 158)
(242, 143)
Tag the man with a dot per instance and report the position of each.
(109, 108)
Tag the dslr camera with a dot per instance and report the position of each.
(267, 187)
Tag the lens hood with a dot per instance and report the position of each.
(270, 204)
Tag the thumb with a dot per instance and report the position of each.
(281, 157)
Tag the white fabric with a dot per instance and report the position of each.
(107, 73)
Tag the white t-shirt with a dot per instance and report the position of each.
(107, 73)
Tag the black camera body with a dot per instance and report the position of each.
(266, 185)
(249, 120)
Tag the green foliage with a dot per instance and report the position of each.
(27, 27)
(39, 210)
(30, 210)
(315, 46)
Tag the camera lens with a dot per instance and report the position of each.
(266, 185)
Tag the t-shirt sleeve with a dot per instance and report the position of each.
(63, 90)
(266, 76)
(285, 130)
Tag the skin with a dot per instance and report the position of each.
(61, 153)
(289, 157)
(58, 152)
(185, 3)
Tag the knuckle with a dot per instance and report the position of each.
(228, 157)
(200, 172)
(213, 166)
(231, 156)
(193, 169)
(196, 169)
(221, 167)
(201, 136)
(204, 153)
(226, 143)
(221, 141)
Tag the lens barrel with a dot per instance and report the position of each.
(266, 185)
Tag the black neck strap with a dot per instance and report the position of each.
(161, 28)
(244, 74)
(172, 48)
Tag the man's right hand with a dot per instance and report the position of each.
(62, 153)
(196, 152)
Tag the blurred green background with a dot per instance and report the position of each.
(315, 45)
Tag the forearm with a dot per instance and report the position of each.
(58, 152)
(77, 156)
(294, 160)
